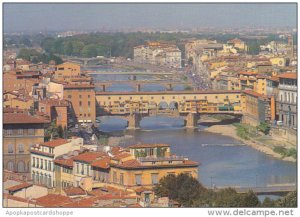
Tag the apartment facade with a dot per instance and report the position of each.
(287, 99)
(20, 132)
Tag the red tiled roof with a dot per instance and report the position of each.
(20, 199)
(102, 163)
(64, 162)
(88, 157)
(73, 191)
(136, 205)
(55, 143)
(86, 202)
(247, 73)
(121, 156)
(21, 118)
(78, 86)
(53, 200)
(288, 75)
(148, 145)
(255, 94)
(19, 187)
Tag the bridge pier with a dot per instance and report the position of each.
(103, 87)
(138, 87)
(191, 120)
(169, 87)
(133, 121)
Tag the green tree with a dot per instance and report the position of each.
(249, 200)
(264, 127)
(268, 202)
(290, 200)
(52, 132)
(68, 48)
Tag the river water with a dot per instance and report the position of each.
(223, 160)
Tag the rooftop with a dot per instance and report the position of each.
(19, 187)
(53, 200)
(64, 162)
(73, 191)
(22, 118)
(148, 145)
(55, 143)
(102, 163)
(89, 157)
(289, 75)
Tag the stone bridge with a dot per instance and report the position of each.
(133, 106)
(103, 85)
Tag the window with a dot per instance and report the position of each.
(10, 165)
(49, 166)
(120, 98)
(69, 96)
(33, 161)
(80, 103)
(31, 131)
(42, 164)
(87, 170)
(82, 169)
(89, 103)
(10, 148)
(79, 96)
(8, 132)
(141, 97)
(151, 151)
(138, 179)
(89, 96)
(37, 162)
(154, 178)
(45, 164)
(121, 178)
(21, 167)
(21, 148)
(20, 132)
(77, 168)
(115, 177)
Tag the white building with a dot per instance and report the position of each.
(43, 156)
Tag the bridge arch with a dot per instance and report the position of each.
(163, 105)
(173, 105)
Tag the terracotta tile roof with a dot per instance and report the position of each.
(64, 162)
(21, 118)
(115, 150)
(89, 157)
(288, 75)
(20, 199)
(136, 205)
(86, 202)
(73, 191)
(55, 143)
(78, 86)
(247, 73)
(19, 187)
(121, 156)
(255, 94)
(102, 163)
(41, 153)
(148, 145)
(53, 200)
(273, 78)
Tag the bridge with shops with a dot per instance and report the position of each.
(189, 105)
(138, 84)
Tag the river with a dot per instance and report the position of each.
(224, 161)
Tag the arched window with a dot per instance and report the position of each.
(33, 176)
(10, 148)
(21, 148)
(10, 165)
(21, 166)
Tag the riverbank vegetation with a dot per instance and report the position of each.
(36, 57)
(245, 131)
(284, 152)
(190, 193)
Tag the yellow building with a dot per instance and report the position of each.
(151, 162)
(66, 70)
(278, 61)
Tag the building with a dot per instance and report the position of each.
(56, 109)
(288, 99)
(258, 108)
(66, 70)
(239, 44)
(43, 156)
(159, 53)
(20, 132)
(82, 102)
(16, 80)
(151, 162)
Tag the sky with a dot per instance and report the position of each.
(95, 17)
